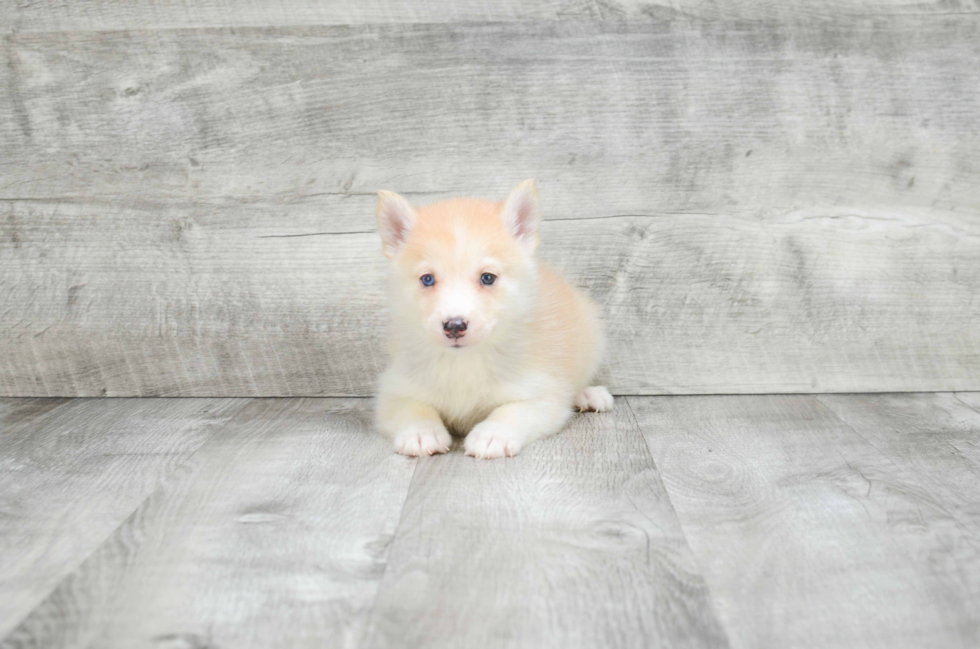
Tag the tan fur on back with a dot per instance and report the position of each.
(567, 335)
(531, 344)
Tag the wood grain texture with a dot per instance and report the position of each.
(693, 303)
(760, 206)
(933, 435)
(830, 521)
(935, 439)
(69, 477)
(165, 14)
(806, 534)
(21, 413)
(971, 399)
(611, 117)
(571, 544)
(274, 534)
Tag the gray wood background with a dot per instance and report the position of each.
(762, 196)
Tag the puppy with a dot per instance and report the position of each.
(485, 340)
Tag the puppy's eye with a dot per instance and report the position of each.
(487, 279)
(428, 280)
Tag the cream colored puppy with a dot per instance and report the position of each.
(486, 341)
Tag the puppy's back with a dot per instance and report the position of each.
(567, 331)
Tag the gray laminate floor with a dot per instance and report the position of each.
(741, 521)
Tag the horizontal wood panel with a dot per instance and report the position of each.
(611, 118)
(693, 303)
(758, 206)
(159, 14)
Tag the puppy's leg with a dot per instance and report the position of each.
(595, 398)
(512, 426)
(415, 428)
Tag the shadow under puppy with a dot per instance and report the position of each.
(485, 340)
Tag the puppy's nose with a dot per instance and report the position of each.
(454, 328)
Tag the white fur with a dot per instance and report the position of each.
(423, 438)
(595, 398)
(490, 387)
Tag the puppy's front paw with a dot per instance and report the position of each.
(423, 438)
(490, 439)
(595, 398)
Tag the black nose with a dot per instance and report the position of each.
(454, 327)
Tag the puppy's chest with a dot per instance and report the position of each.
(465, 390)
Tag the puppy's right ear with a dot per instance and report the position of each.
(396, 218)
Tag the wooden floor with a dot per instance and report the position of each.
(738, 521)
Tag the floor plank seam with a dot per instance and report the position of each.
(974, 409)
(394, 536)
(884, 457)
(78, 564)
(680, 523)
(956, 395)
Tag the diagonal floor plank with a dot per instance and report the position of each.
(971, 399)
(935, 436)
(970, 445)
(24, 414)
(573, 543)
(71, 472)
(274, 534)
(807, 535)
(934, 439)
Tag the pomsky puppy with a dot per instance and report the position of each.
(486, 341)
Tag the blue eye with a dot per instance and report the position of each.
(428, 280)
(487, 279)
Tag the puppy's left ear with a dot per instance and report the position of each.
(522, 213)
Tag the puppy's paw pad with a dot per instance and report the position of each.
(491, 440)
(595, 398)
(423, 439)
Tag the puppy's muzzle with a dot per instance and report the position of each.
(455, 328)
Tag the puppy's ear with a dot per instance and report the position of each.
(396, 218)
(522, 213)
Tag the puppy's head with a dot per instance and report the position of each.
(463, 270)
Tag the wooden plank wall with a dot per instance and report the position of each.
(760, 201)
(101, 15)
